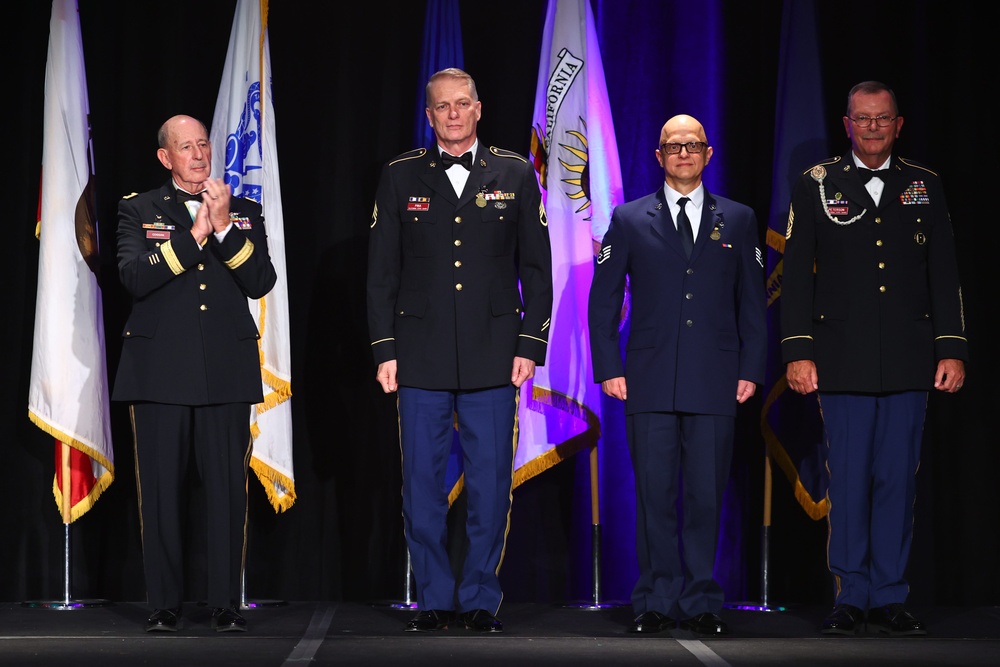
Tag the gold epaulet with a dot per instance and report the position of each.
(130, 196)
(500, 152)
(832, 160)
(916, 165)
(415, 153)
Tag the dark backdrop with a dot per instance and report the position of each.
(344, 96)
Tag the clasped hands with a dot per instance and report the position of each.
(213, 214)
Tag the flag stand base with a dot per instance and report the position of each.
(407, 602)
(596, 603)
(256, 604)
(66, 604)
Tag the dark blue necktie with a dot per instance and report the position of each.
(684, 227)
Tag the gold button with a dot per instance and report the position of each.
(458, 287)
(878, 220)
(202, 286)
(203, 307)
(128, 333)
(879, 243)
(458, 263)
(881, 288)
(402, 312)
(881, 265)
(458, 219)
(157, 244)
(201, 267)
(458, 242)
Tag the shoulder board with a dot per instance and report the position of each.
(415, 153)
(130, 196)
(831, 160)
(499, 152)
(916, 165)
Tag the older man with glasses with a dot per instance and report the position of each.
(872, 319)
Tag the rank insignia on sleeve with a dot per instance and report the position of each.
(915, 193)
(604, 254)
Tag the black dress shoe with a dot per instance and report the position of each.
(706, 624)
(429, 620)
(481, 620)
(163, 620)
(227, 619)
(894, 620)
(845, 619)
(651, 621)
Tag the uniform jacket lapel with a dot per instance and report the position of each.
(662, 222)
(436, 178)
(479, 177)
(711, 217)
(170, 207)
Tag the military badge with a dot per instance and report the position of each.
(418, 204)
(915, 193)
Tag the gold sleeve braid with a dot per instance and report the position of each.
(171, 257)
(242, 256)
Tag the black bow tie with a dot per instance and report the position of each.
(868, 174)
(187, 196)
(448, 160)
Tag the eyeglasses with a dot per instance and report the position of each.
(691, 146)
(881, 121)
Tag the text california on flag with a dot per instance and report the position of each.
(245, 155)
(575, 156)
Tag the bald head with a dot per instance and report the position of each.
(175, 124)
(185, 151)
(683, 168)
(682, 125)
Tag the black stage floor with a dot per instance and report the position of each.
(287, 634)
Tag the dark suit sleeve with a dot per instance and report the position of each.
(143, 270)
(245, 253)
(384, 269)
(140, 269)
(947, 308)
(752, 306)
(797, 273)
(534, 270)
(607, 294)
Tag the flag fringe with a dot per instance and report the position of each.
(100, 484)
(542, 396)
(71, 441)
(280, 488)
(815, 510)
(87, 502)
(282, 391)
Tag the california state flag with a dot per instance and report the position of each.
(575, 155)
(68, 393)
